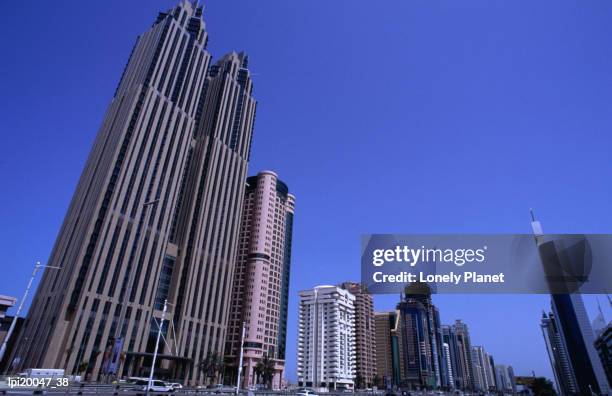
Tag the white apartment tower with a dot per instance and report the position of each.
(484, 375)
(326, 338)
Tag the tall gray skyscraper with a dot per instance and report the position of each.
(154, 217)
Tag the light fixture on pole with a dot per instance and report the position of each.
(25, 295)
(241, 355)
(161, 325)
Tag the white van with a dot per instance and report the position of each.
(42, 373)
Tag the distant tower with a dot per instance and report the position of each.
(574, 330)
(559, 360)
(365, 334)
(489, 368)
(483, 372)
(504, 378)
(449, 337)
(603, 344)
(423, 362)
(389, 365)
(599, 323)
(464, 354)
(326, 323)
(449, 366)
(479, 380)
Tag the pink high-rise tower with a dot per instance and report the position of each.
(261, 280)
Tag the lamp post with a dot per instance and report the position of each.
(241, 355)
(161, 325)
(25, 295)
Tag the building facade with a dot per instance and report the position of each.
(570, 317)
(464, 355)
(423, 361)
(7, 302)
(155, 216)
(449, 338)
(388, 349)
(557, 354)
(260, 291)
(504, 379)
(449, 367)
(365, 335)
(576, 336)
(326, 338)
(484, 374)
(603, 345)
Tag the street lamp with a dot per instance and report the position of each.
(25, 295)
(241, 356)
(161, 325)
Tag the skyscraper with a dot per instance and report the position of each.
(388, 348)
(571, 320)
(489, 369)
(599, 323)
(484, 375)
(603, 344)
(154, 217)
(423, 364)
(559, 360)
(479, 381)
(504, 379)
(464, 355)
(576, 334)
(326, 338)
(260, 291)
(449, 338)
(449, 367)
(365, 335)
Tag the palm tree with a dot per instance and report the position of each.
(542, 387)
(265, 369)
(82, 366)
(358, 381)
(211, 366)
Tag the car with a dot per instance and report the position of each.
(138, 383)
(305, 392)
(176, 386)
(156, 386)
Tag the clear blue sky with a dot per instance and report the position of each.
(381, 116)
